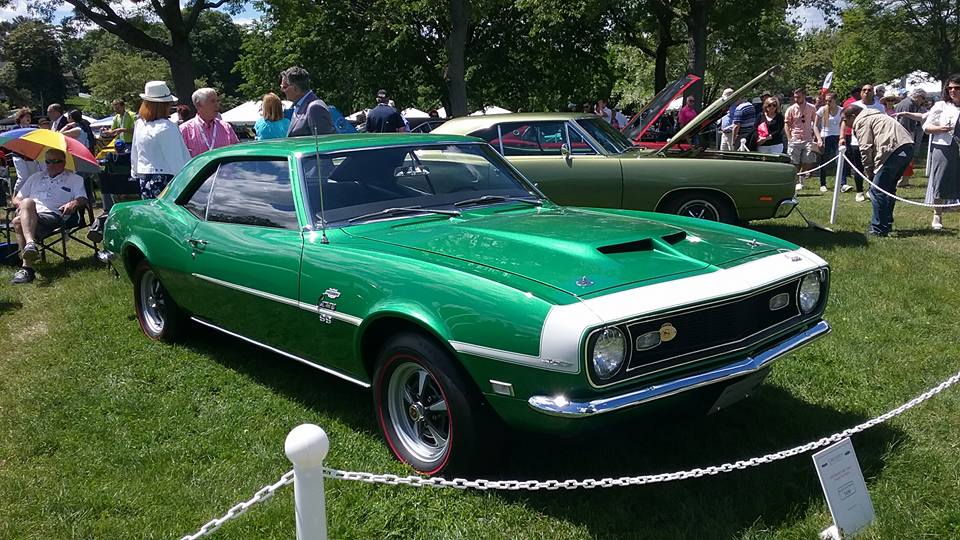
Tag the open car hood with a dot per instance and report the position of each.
(716, 110)
(654, 109)
(576, 251)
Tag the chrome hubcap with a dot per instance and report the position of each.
(152, 302)
(418, 412)
(701, 209)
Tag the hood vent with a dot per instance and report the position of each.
(629, 247)
(675, 238)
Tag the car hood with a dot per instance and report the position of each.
(715, 110)
(578, 251)
(654, 109)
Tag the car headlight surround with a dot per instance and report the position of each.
(608, 352)
(811, 289)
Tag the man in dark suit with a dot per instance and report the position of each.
(57, 119)
(310, 114)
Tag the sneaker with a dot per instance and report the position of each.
(23, 275)
(866, 195)
(937, 224)
(799, 186)
(872, 232)
(859, 197)
(30, 253)
(845, 188)
(823, 189)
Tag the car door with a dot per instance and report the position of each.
(556, 156)
(246, 250)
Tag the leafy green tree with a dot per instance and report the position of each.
(216, 43)
(32, 48)
(122, 74)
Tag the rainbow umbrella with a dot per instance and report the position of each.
(32, 143)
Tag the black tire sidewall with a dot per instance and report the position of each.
(172, 317)
(459, 394)
(724, 213)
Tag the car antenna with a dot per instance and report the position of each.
(316, 154)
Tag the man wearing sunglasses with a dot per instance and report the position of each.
(44, 202)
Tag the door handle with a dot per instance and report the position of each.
(196, 242)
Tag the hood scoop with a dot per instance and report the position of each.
(641, 245)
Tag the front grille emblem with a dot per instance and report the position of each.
(667, 332)
(584, 282)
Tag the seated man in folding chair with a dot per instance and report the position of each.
(44, 202)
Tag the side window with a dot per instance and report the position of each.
(579, 146)
(541, 138)
(253, 193)
(197, 204)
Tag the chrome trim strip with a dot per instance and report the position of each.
(562, 407)
(514, 357)
(350, 319)
(282, 353)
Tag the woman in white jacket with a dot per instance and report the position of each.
(944, 161)
(157, 152)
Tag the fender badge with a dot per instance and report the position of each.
(584, 282)
(332, 293)
(667, 332)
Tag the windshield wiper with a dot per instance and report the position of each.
(404, 210)
(486, 199)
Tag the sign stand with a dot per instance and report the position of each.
(845, 490)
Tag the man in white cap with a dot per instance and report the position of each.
(726, 123)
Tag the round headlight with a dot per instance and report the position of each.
(810, 287)
(608, 352)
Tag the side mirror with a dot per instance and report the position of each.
(564, 151)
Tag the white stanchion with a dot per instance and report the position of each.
(306, 447)
(836, 183)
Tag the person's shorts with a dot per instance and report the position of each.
(47, 222)
(800, 153)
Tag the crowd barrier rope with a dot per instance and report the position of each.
(307, 447)
(892, 196)
(806, 174)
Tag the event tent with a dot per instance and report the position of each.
(413, 112)
(353, 117)
(104, 122)
(247, 113)
(918, 79)
(489, 109)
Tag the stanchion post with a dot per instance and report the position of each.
(306, 447)
(841, 155)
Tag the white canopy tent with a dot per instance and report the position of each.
(104, 122)
(489, 109)
(247, 113)
(413, 112)
(918, 79)
(353, 117)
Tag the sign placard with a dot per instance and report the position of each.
(844, 487)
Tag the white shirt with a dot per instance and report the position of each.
(157, 148)
(52, 193)
(942, 113)
(25, 168)
(832, 125)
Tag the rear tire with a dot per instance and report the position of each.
(702, 205)
(431, 415)
(160, 318)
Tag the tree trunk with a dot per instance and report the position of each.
(664, 42)
(184, 72)
(456, 53)
(697, 43)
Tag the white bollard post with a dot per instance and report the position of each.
(836, 183)
(306, 447)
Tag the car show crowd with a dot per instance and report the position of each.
(881, 130)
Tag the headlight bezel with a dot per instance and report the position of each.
(819, 279)
(607, 332)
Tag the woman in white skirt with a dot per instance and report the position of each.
(944, 160)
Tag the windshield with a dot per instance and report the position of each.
(610, 139)
(361, 182)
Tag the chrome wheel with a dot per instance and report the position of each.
(418, 411)
(699, 208)
(153, 303)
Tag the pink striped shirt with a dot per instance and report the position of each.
(200, 136)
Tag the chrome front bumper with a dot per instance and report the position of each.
(785, 207)
(106, 256)
(561, 406)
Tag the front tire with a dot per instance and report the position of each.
(701, 205)
(431, 416)
(160, 318)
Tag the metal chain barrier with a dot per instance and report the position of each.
(553, 485)
(806, 174)
(590, 483)
(891, 195)
(237, 510)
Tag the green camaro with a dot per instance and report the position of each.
(427, 267)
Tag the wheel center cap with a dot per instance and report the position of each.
(416, 412)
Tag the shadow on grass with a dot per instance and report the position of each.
(811, 238)
(55, 269)
(9, 306)
(710, 507)
(913, 233)
(676, 437)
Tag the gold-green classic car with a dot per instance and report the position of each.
(427, 267)
(580, 160)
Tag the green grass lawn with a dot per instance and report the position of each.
(104, 434)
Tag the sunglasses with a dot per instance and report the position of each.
(54, 161)
(953, 88)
